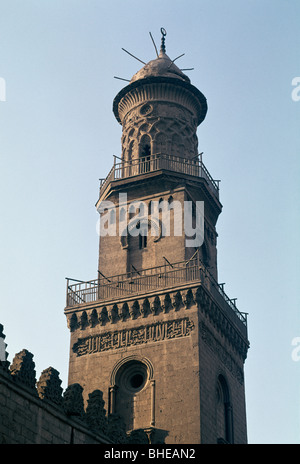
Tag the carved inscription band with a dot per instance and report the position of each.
(135, 336)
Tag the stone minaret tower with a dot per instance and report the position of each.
(155, 331)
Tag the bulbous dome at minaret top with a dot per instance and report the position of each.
(159, 97)
(162, 66)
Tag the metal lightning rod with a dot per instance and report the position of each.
(154, 44)
(133, 56)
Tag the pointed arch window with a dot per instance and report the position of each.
(224, 412)
(145, 153)
(145, 146)
(142, 242)
(142, 236)
(130, 151)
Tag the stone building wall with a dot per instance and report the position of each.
(159, 343)
(192, 352)
(39, 412)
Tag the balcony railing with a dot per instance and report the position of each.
(157, 162)
(139, 282)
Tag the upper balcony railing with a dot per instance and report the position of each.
(152, 279)
(157, 162)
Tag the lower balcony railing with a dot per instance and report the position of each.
(138, 282)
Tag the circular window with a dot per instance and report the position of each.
(146, 109)
(137, 380)
(132, 376)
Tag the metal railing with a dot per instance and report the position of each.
(157, 162)
(138, 282)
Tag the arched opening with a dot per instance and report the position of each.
(142, 242)
(128, 165)
(145, 146)
(224, 412)
(132, 393)
(205, 254)
(144, 154)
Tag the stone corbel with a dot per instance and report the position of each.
(72, 322)
(83, 320)
(167, 303)
(176, 300)
(145, 308)
(124, 313)
(112, 312)
(103, 316)
(187, 298)
(154, 305)
(134, 309)
(93, 318)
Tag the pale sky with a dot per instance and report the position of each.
(58, 135)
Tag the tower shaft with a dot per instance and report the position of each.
(155, 330)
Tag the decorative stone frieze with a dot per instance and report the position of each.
(142, 307)
(113, 340)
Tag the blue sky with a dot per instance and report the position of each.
(58, 136)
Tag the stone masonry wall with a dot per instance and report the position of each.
(38, 412)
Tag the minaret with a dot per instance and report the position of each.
(155, 331)
(159, 111)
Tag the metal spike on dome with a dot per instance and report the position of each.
(154, 44)
(175, 59)
(133, 56)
